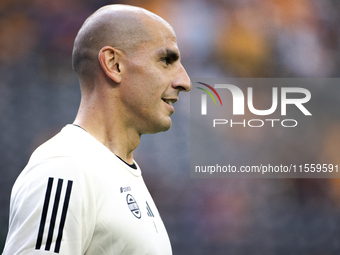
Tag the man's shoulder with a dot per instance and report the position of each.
(68, 142)
(73, 150)
(64, 154)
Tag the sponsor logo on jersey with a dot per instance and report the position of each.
(125, 189)
(133, 206)
(49, 218)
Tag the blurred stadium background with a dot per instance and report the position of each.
(39, 94)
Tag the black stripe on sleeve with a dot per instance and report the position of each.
(63, 216)
(44, 213)
(54, 215)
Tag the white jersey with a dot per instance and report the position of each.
(76, 197)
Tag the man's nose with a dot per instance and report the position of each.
(181, 80)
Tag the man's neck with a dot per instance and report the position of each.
(111, 132)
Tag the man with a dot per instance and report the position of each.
(82, 192)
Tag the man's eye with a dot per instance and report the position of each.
(166, 60)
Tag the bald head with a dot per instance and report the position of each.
(122, 27)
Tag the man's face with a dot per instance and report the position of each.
(153, 79)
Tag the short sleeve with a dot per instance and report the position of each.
(52, 210)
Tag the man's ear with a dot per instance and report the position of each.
(109, 61)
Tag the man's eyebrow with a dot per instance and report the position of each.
(173, 55)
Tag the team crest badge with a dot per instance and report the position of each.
(133, 206)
